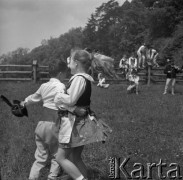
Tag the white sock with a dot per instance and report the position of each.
(80, 177)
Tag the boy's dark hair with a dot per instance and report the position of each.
(56, 66)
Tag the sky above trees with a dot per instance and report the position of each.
(25, 23)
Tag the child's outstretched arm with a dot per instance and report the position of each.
(33, 98)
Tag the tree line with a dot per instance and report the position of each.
(116, 30)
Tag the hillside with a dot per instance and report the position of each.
(116, 30)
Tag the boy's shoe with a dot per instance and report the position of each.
(173, 94)
(164, 93)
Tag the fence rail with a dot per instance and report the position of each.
(15, 79)
(15, 65)
(15, 72)
(37, 72)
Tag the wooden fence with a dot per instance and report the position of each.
(37, 72)
(32, 72)
(149, 75)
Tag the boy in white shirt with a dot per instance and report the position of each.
(46, 131)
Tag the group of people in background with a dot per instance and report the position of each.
(130, 66)
(145, 55)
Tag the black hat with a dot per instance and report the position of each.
(16, 108)
(19, 110)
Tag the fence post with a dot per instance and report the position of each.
(34, 70)
(148, 75)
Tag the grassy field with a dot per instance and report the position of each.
(146, 128)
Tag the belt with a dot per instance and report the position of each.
(64, 113)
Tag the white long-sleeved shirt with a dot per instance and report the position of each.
(46, 93)
(74, 92)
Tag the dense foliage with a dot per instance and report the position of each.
(117, 30)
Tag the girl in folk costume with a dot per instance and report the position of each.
(77, 131)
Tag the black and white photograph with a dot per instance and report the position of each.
(91, 89)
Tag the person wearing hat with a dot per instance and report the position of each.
(171, 70)
(16, 108)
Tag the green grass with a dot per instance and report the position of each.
(146, 127)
